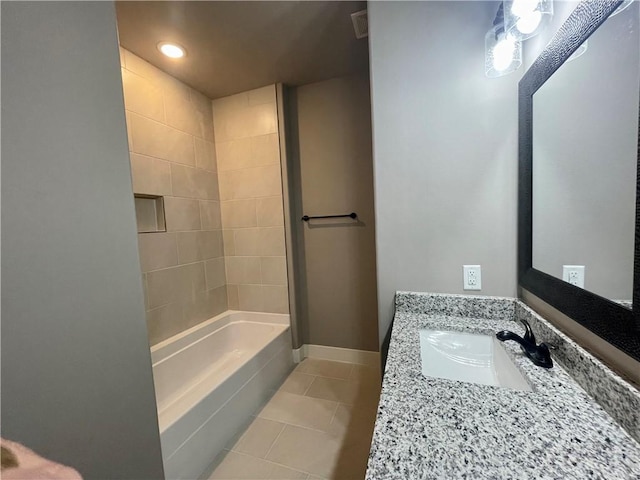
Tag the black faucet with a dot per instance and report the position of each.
(538, 354)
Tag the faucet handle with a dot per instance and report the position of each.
(528, 335)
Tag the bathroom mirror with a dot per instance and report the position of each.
(584, 163)
(551, 151)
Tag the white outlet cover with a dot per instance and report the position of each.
(472, 277)
(573, 274)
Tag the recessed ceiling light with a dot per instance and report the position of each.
(172, 50)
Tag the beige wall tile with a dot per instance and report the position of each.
(175, 284)
(164, 322)
(173, 89)
(142, 96)
(205, 154)
(275, 299)
(229, 242)
(250, 183)
(262, 95)
(144, 291)
(274, 270)
(122, 60)
(248, 152)
(182, 115)
(204, 305)
(150, 175)
(215, 273)
(271, 241)
(157, 140)
(233, 154)
(127, 117)
(194, 182)
(157, 250)
(141, 67)
(182, 214)
(247, 242)
(238, 213)
(223, 108)
(200, 245)
(232, 297)
(265, 150)
(210, 214)
(243, 270)
(250, 298)
(204, 111)
(245, 122)
(270, 211)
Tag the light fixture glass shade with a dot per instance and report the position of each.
(502, 53)
(579, 51)
(621, 7)
(526, 18)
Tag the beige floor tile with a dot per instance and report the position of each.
(297, 383)
(238, 466)
(333, 389)
(325, 368)
(298, 410)
(308, 450)
(354, 424)
(259, 437)
(366, 374)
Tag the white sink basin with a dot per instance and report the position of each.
(468, 358)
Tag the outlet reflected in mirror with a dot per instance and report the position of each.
(585, 141)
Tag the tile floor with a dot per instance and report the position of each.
(318, 425)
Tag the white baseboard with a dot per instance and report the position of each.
(337, 354)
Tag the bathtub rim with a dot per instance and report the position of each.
(177, 342)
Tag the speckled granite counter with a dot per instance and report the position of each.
(430, 428)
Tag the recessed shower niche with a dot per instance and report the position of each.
(150, 213)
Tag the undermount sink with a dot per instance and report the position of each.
(468, 357)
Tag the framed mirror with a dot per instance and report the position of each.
(578, 235)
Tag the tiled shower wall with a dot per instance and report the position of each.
(248, 157)
(172, 153)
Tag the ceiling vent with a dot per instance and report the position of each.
(360, 23)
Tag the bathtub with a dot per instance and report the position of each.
(210, 379)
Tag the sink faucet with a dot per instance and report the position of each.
(538, 354)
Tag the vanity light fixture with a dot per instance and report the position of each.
(621, 7)
(579, 51)
(503, 52)
(526, 18)
(172, 50)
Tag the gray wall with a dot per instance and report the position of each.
(445, 151)
(336, 176)
(585, 152)
(76, 369)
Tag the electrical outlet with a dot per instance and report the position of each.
(573, 274)
(472, 278)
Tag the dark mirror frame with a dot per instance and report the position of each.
(617, 325)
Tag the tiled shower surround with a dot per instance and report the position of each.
(248, 153)
(186, 277)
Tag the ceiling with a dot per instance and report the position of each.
(236, 46)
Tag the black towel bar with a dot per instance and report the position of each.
(353, 215)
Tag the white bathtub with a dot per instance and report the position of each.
(210, 379)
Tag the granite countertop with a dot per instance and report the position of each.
(431, 428)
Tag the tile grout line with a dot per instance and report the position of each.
(275, 440)
(304, 394)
